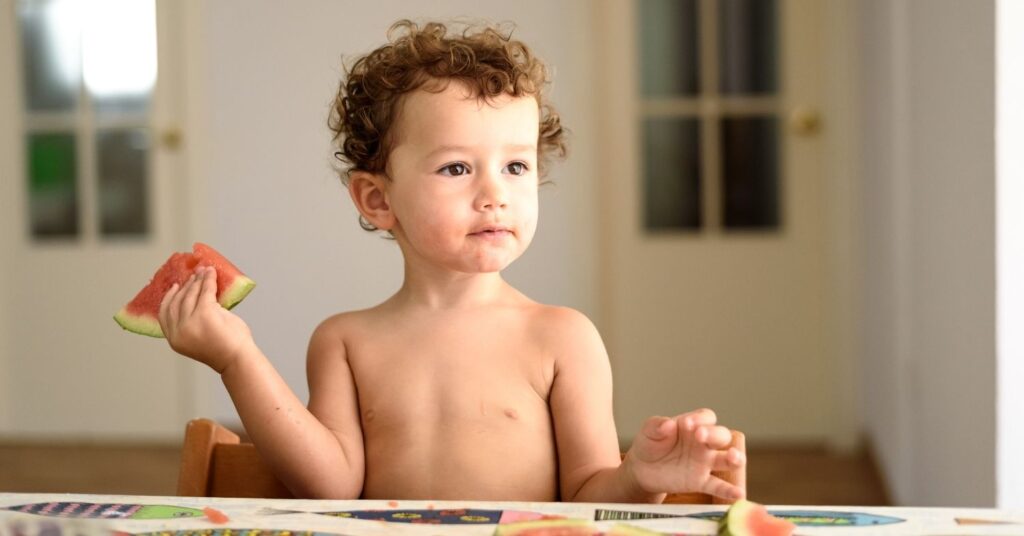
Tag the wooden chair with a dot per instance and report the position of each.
(215, 463)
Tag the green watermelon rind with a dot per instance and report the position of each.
(148, 325)
(741, 517)
(239, 289)
(621, 529)
(141, 324)
(733, 523)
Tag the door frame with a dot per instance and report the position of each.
(9, 167)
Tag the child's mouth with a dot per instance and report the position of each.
(492, 234)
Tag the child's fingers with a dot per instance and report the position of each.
(701, 417)
(715, 437)
(164, 313)
(656, 439)
(720, 488)
(208, 293)
(657, 428)
(174, 307)
(190, 296)
(727, 460)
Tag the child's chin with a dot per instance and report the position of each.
(490, 265)
(490, 269)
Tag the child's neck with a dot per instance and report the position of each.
(452, 290)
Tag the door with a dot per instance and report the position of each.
(93, 197)
(714, 265)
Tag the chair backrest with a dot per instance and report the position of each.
(215, 463)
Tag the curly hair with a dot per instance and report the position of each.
(488, 62)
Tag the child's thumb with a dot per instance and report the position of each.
(657, 428)
(657, 436)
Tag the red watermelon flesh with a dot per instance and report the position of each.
(140, 314)
(746, 518)
(548, 527)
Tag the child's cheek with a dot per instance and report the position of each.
(435, 220)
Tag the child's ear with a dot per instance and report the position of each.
(369, 193)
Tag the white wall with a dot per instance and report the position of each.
(262, 86)
(1010, 247)
(929, 247)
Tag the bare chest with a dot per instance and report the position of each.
(455, 408)
(451, 377)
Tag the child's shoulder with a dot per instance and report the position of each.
(562, 326)
(336, 332)
(559, 315)
(346, 321)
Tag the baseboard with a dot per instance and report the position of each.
(871, 454)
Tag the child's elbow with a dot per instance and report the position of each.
(338, 490)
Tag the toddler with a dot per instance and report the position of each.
(458, 386)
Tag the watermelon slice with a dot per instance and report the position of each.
(746, 518)
(548, 527)
(140, 314)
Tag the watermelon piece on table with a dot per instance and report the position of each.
(548, 527)
(747, 518)
(140, 314)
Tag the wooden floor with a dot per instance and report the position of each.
(807, 476)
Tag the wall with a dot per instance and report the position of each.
(929, 249)
(260, 90)
(1010, 247)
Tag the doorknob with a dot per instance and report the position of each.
(805, 121)
(170, 138)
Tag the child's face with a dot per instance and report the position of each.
(463, 186)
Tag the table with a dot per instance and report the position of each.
(32, 514)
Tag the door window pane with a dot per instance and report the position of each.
(750, 172)
(668, 47)
(672, 194)
(52, 188)
(747, 46)
(123, 196)
(50, 53)
(119, 54)
(97, 56)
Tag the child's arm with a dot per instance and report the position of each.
(312, 457)
(668, 456)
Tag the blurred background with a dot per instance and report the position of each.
(791, 211)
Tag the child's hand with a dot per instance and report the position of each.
(674, 455)
(197, 326)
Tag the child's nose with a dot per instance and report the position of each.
(493, 193)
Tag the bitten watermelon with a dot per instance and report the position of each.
(746, 518)
(140, 314)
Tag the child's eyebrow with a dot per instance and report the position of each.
(511, 147)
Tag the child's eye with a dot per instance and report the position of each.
(454, 169)
(517, 168)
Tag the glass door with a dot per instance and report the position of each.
(710, 108)
(714, 262)
(88, 71)
(97, 201)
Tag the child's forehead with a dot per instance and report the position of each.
(454, 115)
